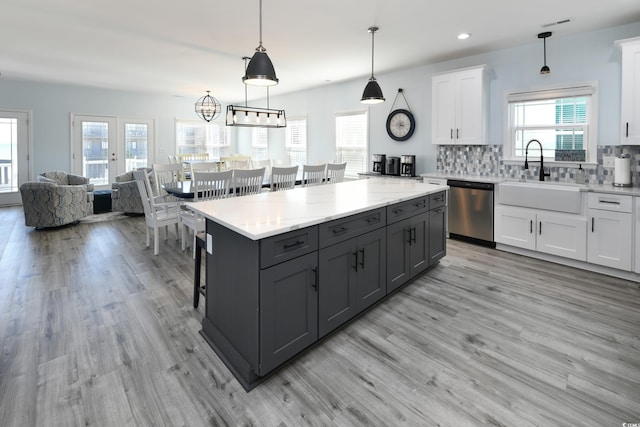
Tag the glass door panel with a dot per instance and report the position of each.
(14, 148)
(95, 152)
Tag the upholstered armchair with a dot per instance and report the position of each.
(48, 204)
(63, 178)
(125, 196)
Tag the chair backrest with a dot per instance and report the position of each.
(266, 164)
(335, 172)
(283, 178)
(146, 193)
(210, 185)
(313, 174)
(247, 181)
(237, 164)
(172, 159)
(205, 166)
(164, 173)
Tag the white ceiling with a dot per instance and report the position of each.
(187, 47)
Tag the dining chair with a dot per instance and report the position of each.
(267, 164)
(335, 172)
(283, 178)
(159, 211)
(204, 166)
(205, 186)
(247, 181)
(313, 175)
(172, 159)
(166, 173)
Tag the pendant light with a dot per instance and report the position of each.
(372, 93)
(543, 36)
(207, 107)
(260, 71)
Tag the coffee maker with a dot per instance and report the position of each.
(393, 165)
(379, 163)
(407, 165)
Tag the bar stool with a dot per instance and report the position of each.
(197, 287)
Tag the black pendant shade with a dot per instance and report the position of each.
(260, 71)
(372, 93)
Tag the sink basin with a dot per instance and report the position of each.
(541, 195)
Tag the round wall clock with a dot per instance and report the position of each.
(400, 125)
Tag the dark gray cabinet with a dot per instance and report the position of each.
(351, 277)
(437, 234)
(288, 310)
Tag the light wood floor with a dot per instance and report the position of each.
(97, 331)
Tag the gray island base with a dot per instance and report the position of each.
(281, 281)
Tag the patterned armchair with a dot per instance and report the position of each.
(48, 204)
(63, 178)
(125, 196)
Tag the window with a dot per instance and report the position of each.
(296, 141)
(352, 142)
(259, 143)
(561, 119)
(194, 137)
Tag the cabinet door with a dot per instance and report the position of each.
(337, 301)
(515, 227)
(372, 268)
(469, 107)
(610, 239)
(437, 234)
(630, 94)
(562, 235)
(288, 310)
(419, 244)
(443, 109)
(398, 236)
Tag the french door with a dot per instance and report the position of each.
(105, 147)
(14, 155)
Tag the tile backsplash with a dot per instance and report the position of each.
(486, 160)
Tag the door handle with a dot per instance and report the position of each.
(530, 226)
(457, 133)
(412, 235)
(593, 224)
(540, 228)
(315, 278)
(451, 133)
(355, 257)
(362, 262)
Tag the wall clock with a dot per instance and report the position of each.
(400, 125)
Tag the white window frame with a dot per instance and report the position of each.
(289, 144)
(211, 139)
(353, 170)
(588, 90)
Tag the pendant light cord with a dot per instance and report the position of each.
(260, 47)
(373, 32)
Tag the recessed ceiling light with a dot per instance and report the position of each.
(463, 36)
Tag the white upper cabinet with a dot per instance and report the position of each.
(630, 93)
(459, 107)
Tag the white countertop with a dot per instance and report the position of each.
(597, 188)
(269, 214)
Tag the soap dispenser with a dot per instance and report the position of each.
(581, 176)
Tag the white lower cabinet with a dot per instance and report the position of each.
(610, 240)
(552, 233)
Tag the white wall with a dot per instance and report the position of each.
(577, 58)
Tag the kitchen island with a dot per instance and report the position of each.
(285, 269)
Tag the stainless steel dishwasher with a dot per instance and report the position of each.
(471, 211)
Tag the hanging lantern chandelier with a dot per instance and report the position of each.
(207, 107)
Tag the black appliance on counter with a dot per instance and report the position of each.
(379, 163)
(471, 211)
(407, 165)
(393, 166)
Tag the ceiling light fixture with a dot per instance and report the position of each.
(463, 36)
(207, 107)
(254, 117)
(545, 69)
(372, 93)
(260, 71)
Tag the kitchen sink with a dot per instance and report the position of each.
(541, 195)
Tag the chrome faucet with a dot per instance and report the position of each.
(526, 161)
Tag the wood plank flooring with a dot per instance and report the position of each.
(95, 330)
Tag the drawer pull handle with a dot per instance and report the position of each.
(610, 202)
(339, 230)
(421, 205)
(397, 211)
(373, 219)
(288, 246)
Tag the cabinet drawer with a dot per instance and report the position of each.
(407, 209)
(437, 200)
(342, 229)
(283, 247)
(610, 202)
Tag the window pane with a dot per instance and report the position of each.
(135, 145)
(296, 141)
(8, 154)
(95, 146)
(194, 137)
(351, 142)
